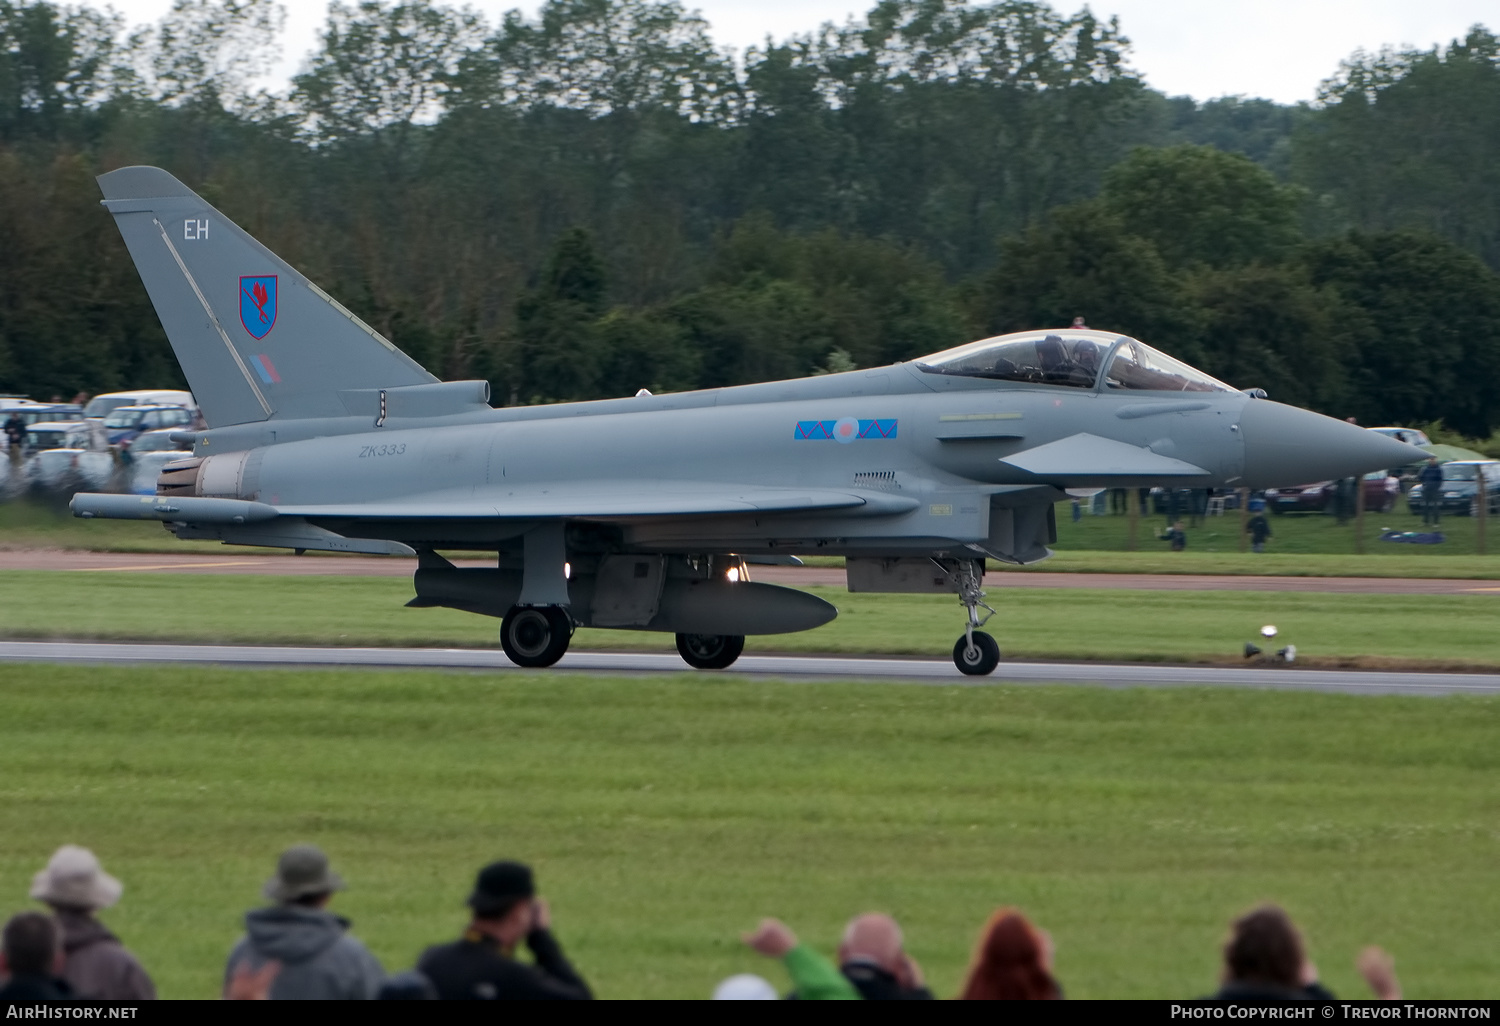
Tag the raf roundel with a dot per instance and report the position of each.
(258, 304)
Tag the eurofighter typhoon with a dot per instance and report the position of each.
(645, 513)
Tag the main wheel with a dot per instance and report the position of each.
(979, 661)
(710, 651)
(536, 635)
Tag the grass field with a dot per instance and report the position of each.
(1303, 546)
(1426, 631)
(1292, 533)
(666, 816)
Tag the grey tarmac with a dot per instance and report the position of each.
(231, 562)
(752, 667)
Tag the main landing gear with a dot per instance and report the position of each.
(710, 651)
(536, 636)
(976, 653)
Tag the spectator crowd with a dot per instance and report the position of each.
(295, 947)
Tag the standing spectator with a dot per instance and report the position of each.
(814, 978)
(1197, 505)
(1343, 499)
(1431, 480)
(319, 959)
(98, 966)
(15, 434)
(482, 963)
(1259, 529)
(1013, 962)
(31, 956)
(873, 957)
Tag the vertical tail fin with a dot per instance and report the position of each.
(256, 339)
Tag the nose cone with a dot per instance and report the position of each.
(1287, 446)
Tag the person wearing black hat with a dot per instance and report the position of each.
(482, 965)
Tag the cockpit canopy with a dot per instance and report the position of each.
(1076, 358)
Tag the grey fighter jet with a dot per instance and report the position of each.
(645, 513)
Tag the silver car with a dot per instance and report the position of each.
(67, 453)
(145, 457)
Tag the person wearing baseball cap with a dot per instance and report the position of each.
(97, 966)
(482, 964)
(318, 957)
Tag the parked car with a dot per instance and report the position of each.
(16, 402)
(1461, 488)
(50, 411)
(103, 405)
(1189, 500)
(64, 453)
(150, 451)
(125, 422)
(1411, 436)
(1381, 492)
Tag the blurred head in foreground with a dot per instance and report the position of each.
(1264, 948)
(745, 987)
(1013, 962)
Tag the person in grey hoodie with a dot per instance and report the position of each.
(318, 958)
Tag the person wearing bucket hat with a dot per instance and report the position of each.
(482, 964)
(319, 958)
(97, 965)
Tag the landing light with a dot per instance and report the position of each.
(567, 571)
(733, 575)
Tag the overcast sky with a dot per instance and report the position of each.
(1277, 49)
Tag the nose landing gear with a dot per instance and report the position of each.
(976, 654)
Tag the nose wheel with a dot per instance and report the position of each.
(976, 654)
(536, 636)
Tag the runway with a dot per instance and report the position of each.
(794, 668)
(233, 563)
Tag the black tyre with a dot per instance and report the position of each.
(710, 651)
(535, 636)
(979, 661)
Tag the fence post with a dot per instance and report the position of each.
(1359, 515)
(1482, 504)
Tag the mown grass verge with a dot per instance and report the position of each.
(665, 816)
(1423, 631)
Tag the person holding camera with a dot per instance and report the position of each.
(481, 965)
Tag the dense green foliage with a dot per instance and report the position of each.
(665, 817)
(599, 199)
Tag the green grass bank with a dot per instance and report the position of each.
(1303, 545)
(666, 816)
(1426, 631)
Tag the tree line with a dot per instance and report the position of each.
(600, 198)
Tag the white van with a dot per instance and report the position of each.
(102, 406)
